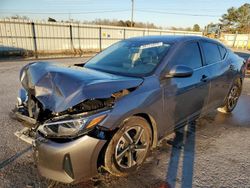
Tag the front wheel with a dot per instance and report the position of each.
(129, 147)
(232, 98)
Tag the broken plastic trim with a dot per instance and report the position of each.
(25, 135)
(32, 108)
(89, 106)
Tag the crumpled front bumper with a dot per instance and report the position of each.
(70, 161)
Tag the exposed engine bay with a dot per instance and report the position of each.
(32, 109)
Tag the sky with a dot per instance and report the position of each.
(165, 13)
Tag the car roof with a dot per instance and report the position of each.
(170, 38)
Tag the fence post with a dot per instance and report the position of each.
(100, 38)
(34, 38)
(124, 33)
(79, 40)
(71, 37)
(235, 38)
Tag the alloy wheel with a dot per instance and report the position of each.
(233, 97)
(131, 147)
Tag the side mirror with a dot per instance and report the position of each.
(180, 71)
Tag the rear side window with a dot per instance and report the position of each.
(223, 52)
(189, 55)
(212, 53)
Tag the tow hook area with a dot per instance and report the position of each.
(26, 134)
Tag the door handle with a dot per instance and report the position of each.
(204, 78)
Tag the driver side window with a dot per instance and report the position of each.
(189, 55)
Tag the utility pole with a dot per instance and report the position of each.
(132, 14)
(69, 14)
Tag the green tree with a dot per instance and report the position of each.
(236, 19)
(196, 27)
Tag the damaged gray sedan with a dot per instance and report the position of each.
(112, 110)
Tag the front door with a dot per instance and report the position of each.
(185, 97)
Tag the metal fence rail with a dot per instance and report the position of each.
(29, 38)
(241, 41)
(34, 39)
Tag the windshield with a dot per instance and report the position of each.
(129, 57)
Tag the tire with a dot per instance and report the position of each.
(129, 147)
(232, 98)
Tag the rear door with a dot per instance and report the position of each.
(184, 97)
(219, 70)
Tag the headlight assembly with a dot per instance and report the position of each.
(70, 128)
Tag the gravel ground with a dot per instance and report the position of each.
(214, 153)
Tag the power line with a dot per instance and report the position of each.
(88, 12)
(175, 13)
(115, 11)
(81, 8)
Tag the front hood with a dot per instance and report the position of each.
(60, 87)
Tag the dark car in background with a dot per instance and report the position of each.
(248, 67)
(112, 110)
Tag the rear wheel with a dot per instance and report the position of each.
(232, 98)
(129, 147)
